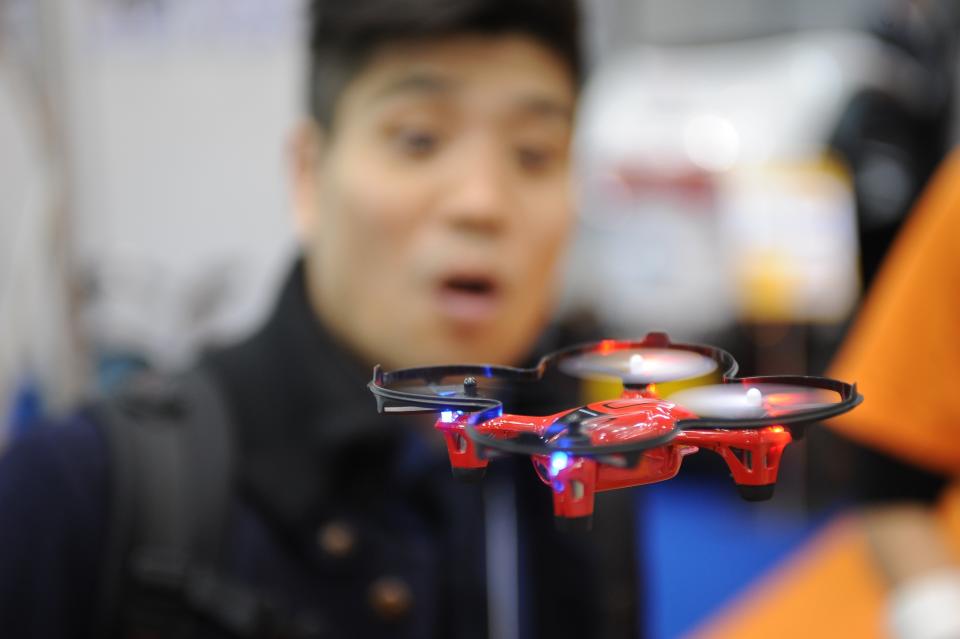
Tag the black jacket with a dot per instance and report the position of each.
(340, 515)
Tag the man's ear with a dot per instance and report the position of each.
(304, 152)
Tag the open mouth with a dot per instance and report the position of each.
(468, 298)
(470, 285)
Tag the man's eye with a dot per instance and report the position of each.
(535, 159)
(418, 143)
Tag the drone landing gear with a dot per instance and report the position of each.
(468, 475)
(752, 455)
(574, 524)
(573, 486)
(762, 492)
(467, 463)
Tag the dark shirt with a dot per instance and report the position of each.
(315, 457)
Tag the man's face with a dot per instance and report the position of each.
(435, 210)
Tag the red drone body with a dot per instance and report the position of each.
(628, 440)
(753, 455)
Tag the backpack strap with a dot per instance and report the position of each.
(171, 457)
(171, 470)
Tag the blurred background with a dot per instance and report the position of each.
(742, 166)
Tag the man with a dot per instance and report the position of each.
(430, 189)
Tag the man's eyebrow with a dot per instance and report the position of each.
(545, 106)
(415, 82)
(428, 83)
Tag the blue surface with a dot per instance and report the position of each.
(703, 545)
(26, 409)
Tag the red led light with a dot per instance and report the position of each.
(607, 346)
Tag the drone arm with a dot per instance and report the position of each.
(752, 455)
(573, 488)
(466, 460)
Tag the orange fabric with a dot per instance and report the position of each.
(904, 349)
(904, 354)
(949, 513)
(829, 589)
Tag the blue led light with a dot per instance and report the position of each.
(558, 461)
(450, 416)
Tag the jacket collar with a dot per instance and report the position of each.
(307, 430)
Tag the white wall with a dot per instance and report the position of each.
(184, 127)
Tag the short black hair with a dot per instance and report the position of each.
(344, 33)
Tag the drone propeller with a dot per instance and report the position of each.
(431, 389)
(653, 360)
(639, 365)
(754, 402)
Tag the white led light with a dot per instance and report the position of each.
(558, 461)
(636, 364)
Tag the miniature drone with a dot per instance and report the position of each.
(638, 436)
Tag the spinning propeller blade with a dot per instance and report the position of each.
(639, 365)
(753, 402)
(471, 389)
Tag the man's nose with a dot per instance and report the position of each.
(477, 199)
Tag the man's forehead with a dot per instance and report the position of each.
(534, 80)
(424, 82)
